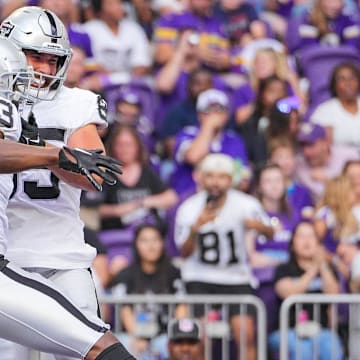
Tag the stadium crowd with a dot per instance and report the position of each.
(238, 126)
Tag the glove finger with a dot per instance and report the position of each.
(111, 168)
(110, 160)
(109, 177)
(91, 179)
(106, 175)
(111, 164)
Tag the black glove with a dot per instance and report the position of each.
(89, 162)
(30, 132)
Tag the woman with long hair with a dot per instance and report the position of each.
(307, 272)
(336, 220)
(139, 192)
(151, 272)
(254, 130)
(267, 62)
(324, 23)
(271, 191)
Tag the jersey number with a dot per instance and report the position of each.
(6, 114)
(36, 192)
(210, 250)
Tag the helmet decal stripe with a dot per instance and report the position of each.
(53, 26)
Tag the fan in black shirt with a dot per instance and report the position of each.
(307, 272)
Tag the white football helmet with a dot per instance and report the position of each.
(37, 29)
(15, 74)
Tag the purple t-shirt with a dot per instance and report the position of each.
(211, 35)
(302, 34)
(229, 143)
(281, 237)
(180, 93)
(329, 240)
(299, 197)
(79, 38)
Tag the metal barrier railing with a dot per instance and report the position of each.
(353, 319)
(207, 301)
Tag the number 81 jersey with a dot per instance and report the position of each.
(220, 255)
(45, 229)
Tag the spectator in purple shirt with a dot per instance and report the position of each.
(214, 49)
(182, 111)
(193, 143)
(282, 152)
(265, 254)
(325, 23)
(271, 191)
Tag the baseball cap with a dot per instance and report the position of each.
(179, 329)
(310, 133)
(288, 104)
(130, 97)
(211, 97)
(219, 163)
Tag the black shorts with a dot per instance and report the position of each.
(197, 287)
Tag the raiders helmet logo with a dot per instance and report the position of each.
(6, 28)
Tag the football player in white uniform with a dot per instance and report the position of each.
(33, 311)
(45, 229)
(213, 231)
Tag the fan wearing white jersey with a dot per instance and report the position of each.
(33, 311)
(45, 230)
(213, 231)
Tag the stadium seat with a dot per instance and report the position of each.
(316, 63)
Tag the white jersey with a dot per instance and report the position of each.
(45, 229)
(220, 255)
(10, 127)
(119, 52)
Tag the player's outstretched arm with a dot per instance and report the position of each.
(15, 157)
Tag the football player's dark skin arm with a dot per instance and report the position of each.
(88, 138)
(15, 157)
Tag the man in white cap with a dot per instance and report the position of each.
(193, 143)
(213, 231)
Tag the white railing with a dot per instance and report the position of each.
(207, 301)
(317, 300)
